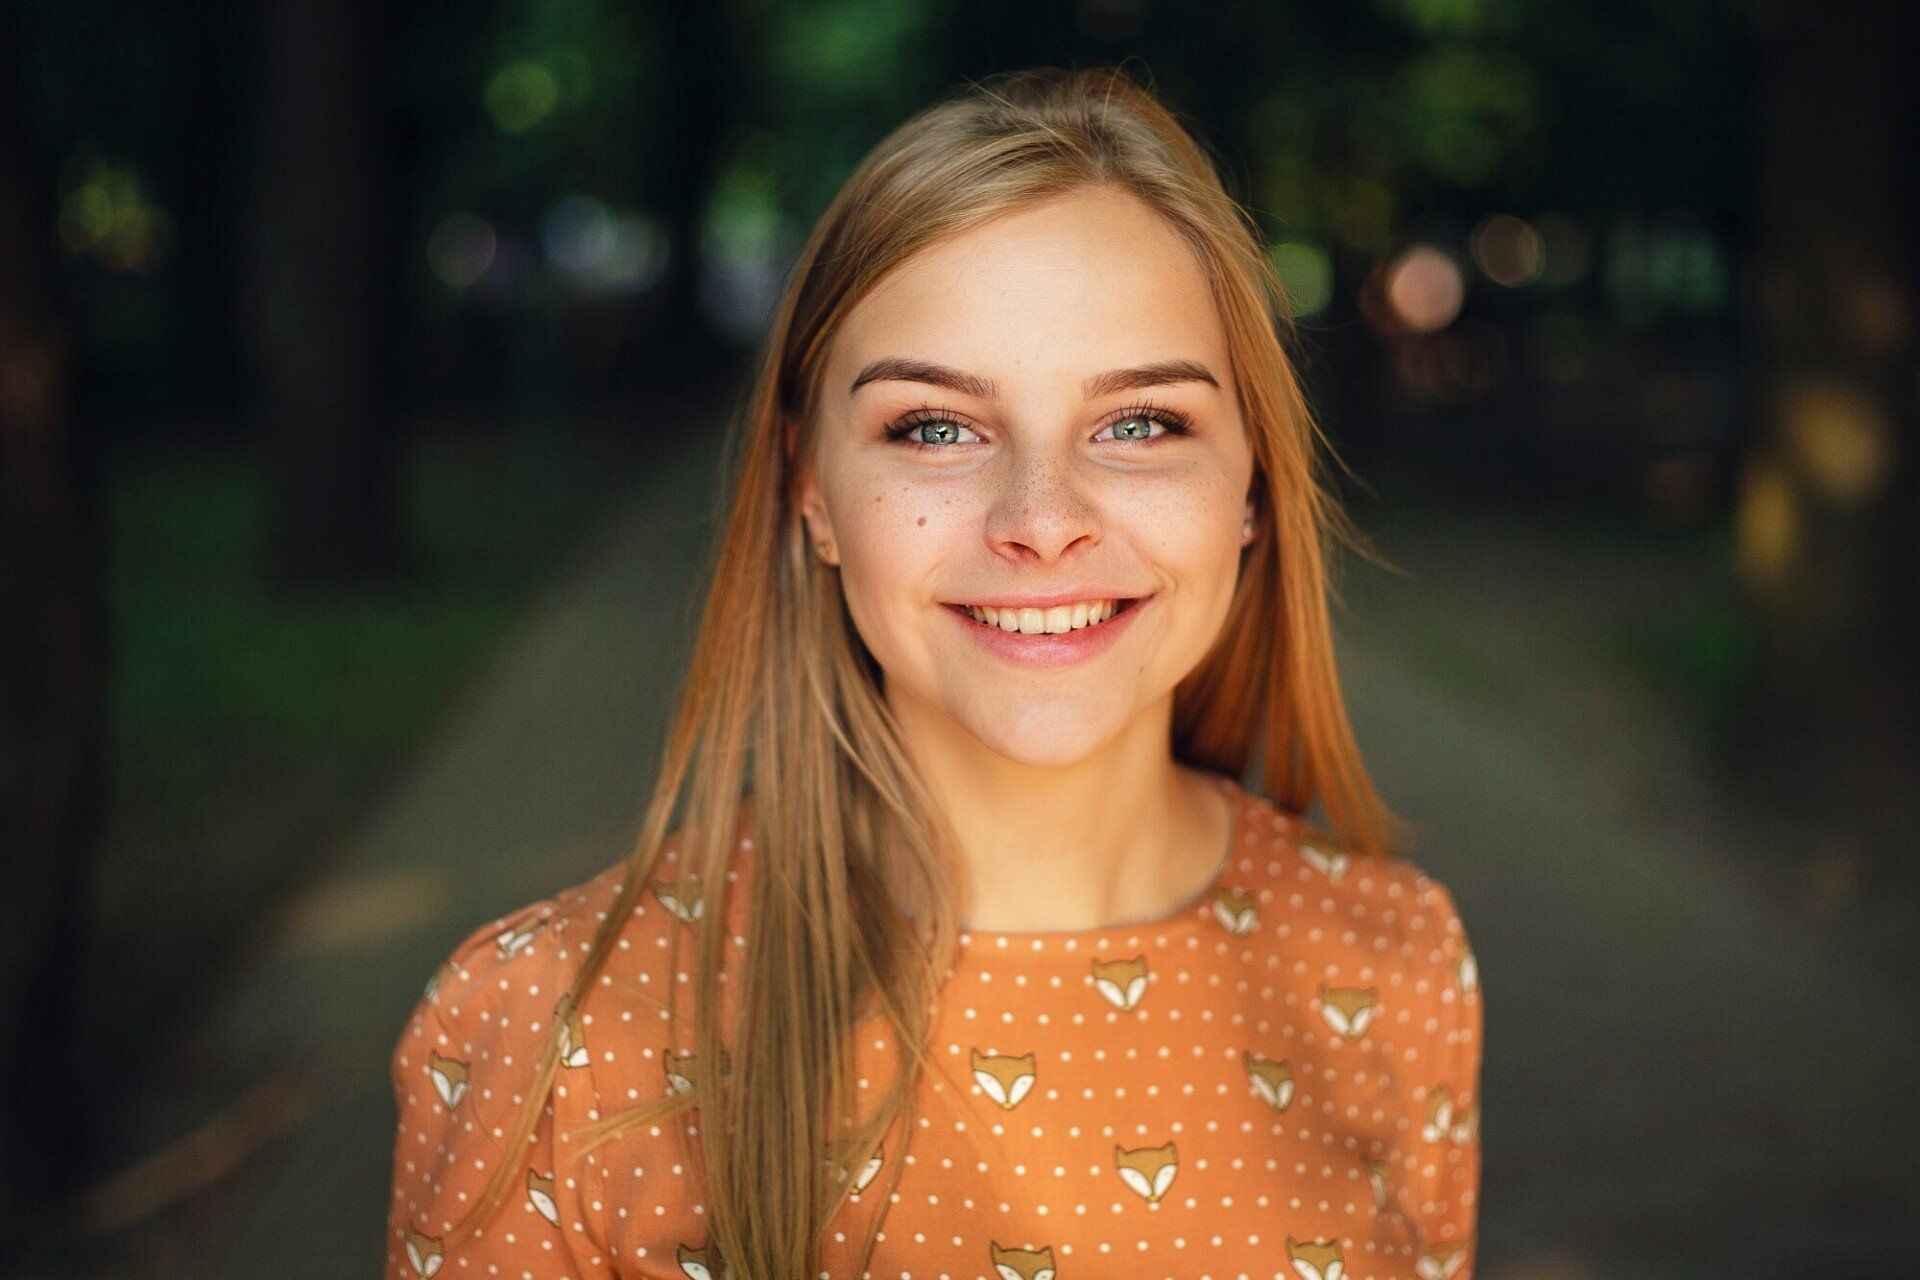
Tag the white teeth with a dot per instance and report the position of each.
(1054, 621)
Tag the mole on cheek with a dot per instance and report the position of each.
(921, 520)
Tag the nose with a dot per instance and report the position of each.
(1039, 510)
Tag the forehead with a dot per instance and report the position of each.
(1081, 283)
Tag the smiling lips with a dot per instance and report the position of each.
(1057, 636)
(1055, 621)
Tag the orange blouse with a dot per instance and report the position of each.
(1280, 1080)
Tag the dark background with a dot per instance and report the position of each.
(362, 373)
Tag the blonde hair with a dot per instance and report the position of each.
(781, 694)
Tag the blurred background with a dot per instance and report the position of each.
(362, 375)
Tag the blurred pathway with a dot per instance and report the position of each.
(1682, 1078)
(1679, 1083)
(531, 784)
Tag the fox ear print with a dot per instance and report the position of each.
(424, 1252)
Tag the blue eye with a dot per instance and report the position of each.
(1147, 418)
(930, 428)
(945, 429)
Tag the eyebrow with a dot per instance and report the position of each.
(1158, 374)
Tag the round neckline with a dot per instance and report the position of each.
(1192, 913)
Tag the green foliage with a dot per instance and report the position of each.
(1435, 18)
(548, 97)
(522, 94)
(246, 724)
(743, 213)
(1701, 656)
(851, 48)
(1356, 124)
(1306, 275)
(1352, 156)
(209, 660)
(1470, 110)
(832, 76)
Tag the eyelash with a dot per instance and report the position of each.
(1176, 423)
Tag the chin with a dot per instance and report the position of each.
(1048, 737)
(1064, 757)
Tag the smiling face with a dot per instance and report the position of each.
(1033, 476)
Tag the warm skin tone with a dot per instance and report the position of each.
(1061, 785)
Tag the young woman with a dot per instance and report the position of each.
(969, 952)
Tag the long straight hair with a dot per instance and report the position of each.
(781, 694)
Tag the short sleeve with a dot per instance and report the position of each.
(460, 1074)
(1438, 1164)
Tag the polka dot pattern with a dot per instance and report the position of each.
(1279, 1080)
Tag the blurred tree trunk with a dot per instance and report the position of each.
(320, 295)
(1827, 534)
(52, 693)
(208, 182)
(707, 45)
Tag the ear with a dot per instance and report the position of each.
(813, 511)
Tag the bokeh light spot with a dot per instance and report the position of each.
(1306, 275)
(108, 216)
(1508, 250)
(577, 234)
(603, 249)
(1425, 288)
(1766, 525)
(461, 249)
(521, 94)
(1841, 439)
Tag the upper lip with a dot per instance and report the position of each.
(1049, 601)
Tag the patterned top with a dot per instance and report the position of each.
(1281, 1079)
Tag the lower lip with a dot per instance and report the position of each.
(1064, 649)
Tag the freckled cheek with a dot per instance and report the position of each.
(901, 522)
(892, 547)
(1189, 532)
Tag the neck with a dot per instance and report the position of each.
(1130, 834)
